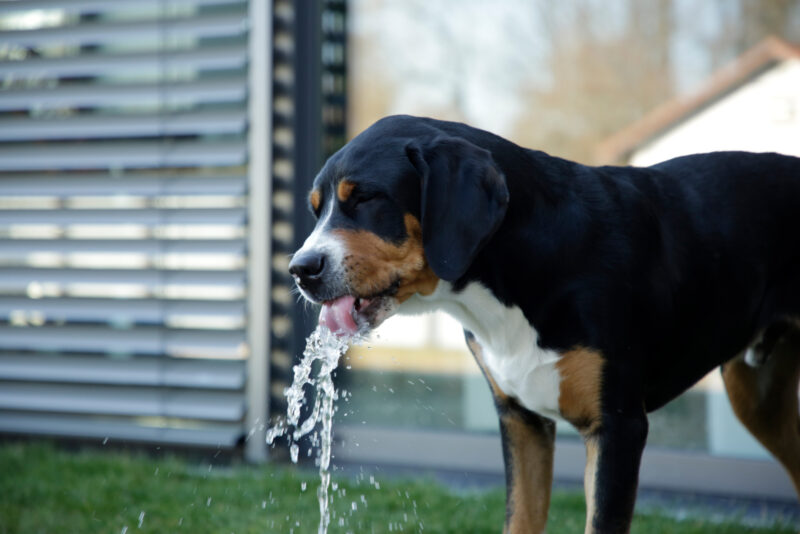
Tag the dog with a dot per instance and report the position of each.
(593, 295)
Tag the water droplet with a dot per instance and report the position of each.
(208, 502)
(141, 518)
(315, 369)
(302, 486)
(105, 440)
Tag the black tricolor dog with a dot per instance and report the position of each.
(590, 294)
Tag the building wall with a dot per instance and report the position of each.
(761, 116)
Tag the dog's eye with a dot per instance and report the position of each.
(364, 199)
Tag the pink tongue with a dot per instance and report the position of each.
(337, 316)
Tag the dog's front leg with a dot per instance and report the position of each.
(613, 452)
(528, 444)
(604, 403)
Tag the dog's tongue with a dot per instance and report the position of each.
(338, 317)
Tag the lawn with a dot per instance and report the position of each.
(44, 489)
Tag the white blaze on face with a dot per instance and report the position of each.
(323, 241)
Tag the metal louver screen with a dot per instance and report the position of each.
(123, 212)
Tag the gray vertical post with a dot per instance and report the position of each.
(259, 224)
(307, 155)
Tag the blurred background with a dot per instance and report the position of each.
(155, 157)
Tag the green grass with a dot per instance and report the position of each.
(47, 490)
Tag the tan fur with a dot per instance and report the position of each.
(581, 372)
(372, 264)
(531, 457)
(345, 189)
(315, 198)
(764, 399)
(589, 479)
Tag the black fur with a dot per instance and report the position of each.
(464, 200)
(667, 271)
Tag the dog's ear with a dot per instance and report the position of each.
(464, 199)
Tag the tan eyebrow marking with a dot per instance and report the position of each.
(345, 189)
(315, 198)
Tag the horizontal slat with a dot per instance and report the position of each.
(153, 247)
(142, 154)
(92, 95)
(96, 64)
(111, 400)
(148, 217)
(158, 283)
(155, 31)
(222, 255)
(101, 428)
(198, 374)
(102, 184)
(212, 315)
(95, 6)
(105, 126)
(139, 340)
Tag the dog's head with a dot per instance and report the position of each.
(400, 207)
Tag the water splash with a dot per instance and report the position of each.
(324, 347)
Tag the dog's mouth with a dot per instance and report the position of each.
(349, 315)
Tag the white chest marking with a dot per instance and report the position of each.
(323, 241)
(511, 353)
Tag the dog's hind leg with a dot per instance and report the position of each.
(765, 400)
(528, 446)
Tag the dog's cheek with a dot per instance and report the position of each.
(416, 275)
(373, 264)
(423, 281)
(369, 261)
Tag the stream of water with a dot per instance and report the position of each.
(324, 347)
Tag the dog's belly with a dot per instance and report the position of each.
(510, 350)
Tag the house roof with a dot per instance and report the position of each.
(768, 52)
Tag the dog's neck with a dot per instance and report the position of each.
(540, 235)
(478, 311)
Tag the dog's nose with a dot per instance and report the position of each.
(307, 267)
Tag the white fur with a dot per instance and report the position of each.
(511, 353)
(321, 240)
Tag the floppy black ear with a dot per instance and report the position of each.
(464, 200)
